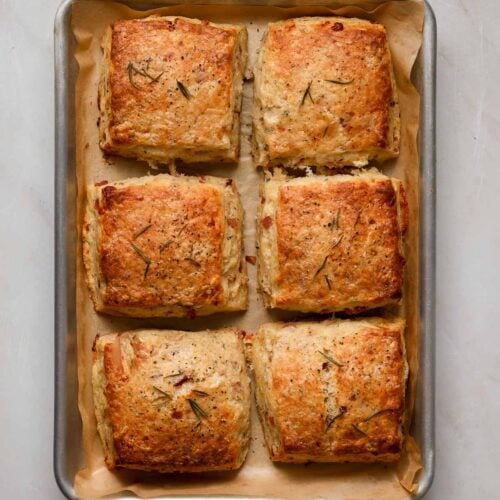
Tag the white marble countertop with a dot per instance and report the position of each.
(468, 249)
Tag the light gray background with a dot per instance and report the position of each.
(468, 249)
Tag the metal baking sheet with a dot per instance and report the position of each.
(68, 453)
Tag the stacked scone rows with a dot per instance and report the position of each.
(172, 246)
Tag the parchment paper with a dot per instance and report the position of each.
(259, 476)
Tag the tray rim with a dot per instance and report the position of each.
(427, 149)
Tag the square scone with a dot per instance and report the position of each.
(172, 401)
(171, 89)
(331, 243)
(325, 94)
(165, 246)
(332, 391)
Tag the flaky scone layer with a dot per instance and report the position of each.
(331, 243)
(332, 391)
(325, 94)
(171, 89)
(165, 246)
(171, 401)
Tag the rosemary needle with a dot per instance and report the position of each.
(378, 412)
(339, 82)
(331, 420)
(307, 93)
(146, 260)
(197, 410)
(330, 359)
(142, 231)
(183, 90)
(163, 393)
(361, 431)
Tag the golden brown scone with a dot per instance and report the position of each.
(171, 88)
(171, 401)
(331, 243)
(332, 391)
(325, 94)
(165, 246)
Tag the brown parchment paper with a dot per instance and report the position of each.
(259, 476)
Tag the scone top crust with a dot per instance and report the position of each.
(331, 391)
(172, 401)
(165, 246)
(171, 88)
(332, 243)
(325, 94)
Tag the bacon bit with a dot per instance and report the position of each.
(95, 342)
(251, 259)
(100, 183)
(247, 338)
(267, 222)
(324, 366)
(233, 223)
(338, 27)
(191, 313)
(177, 414)
(183, 380)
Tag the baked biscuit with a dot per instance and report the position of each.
(325, 94)
(171, 88)
(331, 243)
(171, 401)
(165, 246)
(331, 391)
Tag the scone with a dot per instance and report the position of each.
(171, 401)
(331, 391)
(325, 94)
(331, 243)
(165, 246)
(171, 89)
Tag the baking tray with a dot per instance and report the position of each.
(68, 452)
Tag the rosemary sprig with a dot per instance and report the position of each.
(338, 241)
(361, 431)
(163, 393)
(339, 82)
(156, 78)
(320, 268)
(325, 131)
(165, 245)
(328, 282)
(323, 264)
(200, 393)
(307, 93)
(146, 260)
(330, 359)
(174, 375)
(378, 412)
(183, 89)
(331, 420)
(142, 231)
(335, 221)
(132, 70)
(197, 410)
